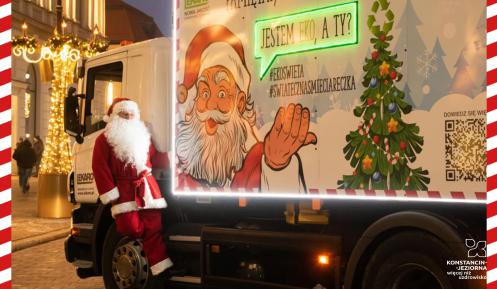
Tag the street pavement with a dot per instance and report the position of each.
(35, 265)
(25, 222)
(45, 267)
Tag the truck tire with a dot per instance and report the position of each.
(124, 265)
(414, 260)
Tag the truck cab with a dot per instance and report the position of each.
(139, 72)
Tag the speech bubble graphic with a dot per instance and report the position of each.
(321, 28)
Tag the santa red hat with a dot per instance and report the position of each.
(212, 46)
(121, 104)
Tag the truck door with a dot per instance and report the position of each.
(103, 83)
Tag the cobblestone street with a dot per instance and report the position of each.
(41, 266)
(25, 222)
(45, 267)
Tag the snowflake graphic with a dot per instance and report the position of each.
(427, 64)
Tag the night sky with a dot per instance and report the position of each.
(160, 10)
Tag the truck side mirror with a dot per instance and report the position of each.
(72, 125)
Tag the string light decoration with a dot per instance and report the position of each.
(27, 104)
(64, 50)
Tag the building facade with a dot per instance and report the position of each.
(31, 82)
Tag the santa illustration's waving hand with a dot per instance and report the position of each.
(122, 170)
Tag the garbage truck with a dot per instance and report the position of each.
(309, 144)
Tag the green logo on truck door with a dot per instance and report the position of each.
(194, 3)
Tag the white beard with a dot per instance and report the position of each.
(212, 158)
(130, 141)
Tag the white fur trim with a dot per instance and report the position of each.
(128, 106)
(161, 266)
(106, 118)
(150, 202)
(125, 105)
(156, 204)
(123, 208)
(110, 196)
(223, 54)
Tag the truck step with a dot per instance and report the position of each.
(212, 235)
(186, 279)
(184, 238)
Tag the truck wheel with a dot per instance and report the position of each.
(124, 265)
(413, 260)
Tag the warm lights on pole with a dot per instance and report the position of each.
(64, 50)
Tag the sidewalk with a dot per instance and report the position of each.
(27, 229)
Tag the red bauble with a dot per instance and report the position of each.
(370, 101)
(374, 55)
(364, 142)
(383, 37)
(393, 74)
(376, 139)
(403, 145)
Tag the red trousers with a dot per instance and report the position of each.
(146, 224)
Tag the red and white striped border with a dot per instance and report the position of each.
(492, 143)
(5, 144)
(313, 193)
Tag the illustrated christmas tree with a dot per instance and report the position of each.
(479, 59)
(407, 95)
(462, 82)
(471, 63)
(483, 86)
(348, 97)
(314, 114)
(383, 148)
(409, 47)
(439, 79)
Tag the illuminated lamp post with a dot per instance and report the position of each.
(64, 50)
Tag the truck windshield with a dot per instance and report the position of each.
(103, 85)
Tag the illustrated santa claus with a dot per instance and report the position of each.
(122, 170)
(216, 143)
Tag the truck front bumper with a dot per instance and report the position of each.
(77, 248)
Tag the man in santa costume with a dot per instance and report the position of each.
(122, 169)
(216, 144)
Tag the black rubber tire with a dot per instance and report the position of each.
(411, 255)
(112, 238)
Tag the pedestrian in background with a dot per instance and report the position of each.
(19, 141)
(38, 147)
(26, 158)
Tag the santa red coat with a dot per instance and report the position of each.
(248, 178)
(121, 184)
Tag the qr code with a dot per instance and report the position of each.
(465, 150)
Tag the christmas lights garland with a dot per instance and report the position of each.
(64, 50)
